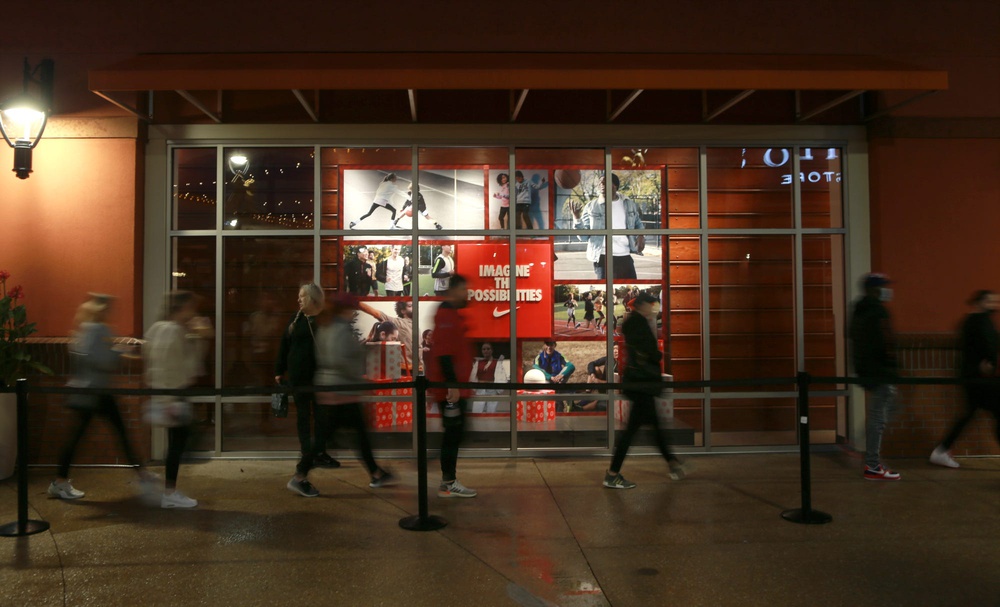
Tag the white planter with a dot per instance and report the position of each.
(8, 434)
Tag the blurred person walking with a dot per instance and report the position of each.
(297, 362)
(642, 366)
(340, 361)
(174, 352)
(93, 359)
(979, 343)
(449, 359)
(874, 356)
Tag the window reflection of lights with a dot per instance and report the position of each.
(239, 166)
(233, 223)
(179, 274)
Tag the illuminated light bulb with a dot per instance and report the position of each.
(748, 255)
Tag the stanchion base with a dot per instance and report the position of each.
(30, 528)
(415, 523)
(811, 517)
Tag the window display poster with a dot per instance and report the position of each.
(389, 268)
(528, 188)
(381, 199)
(643, 187)
(487, 268)
(393, 321)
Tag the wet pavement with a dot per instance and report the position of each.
(541, 532)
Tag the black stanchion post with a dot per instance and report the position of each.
(23, 526)
(805, 515)
(423, 521)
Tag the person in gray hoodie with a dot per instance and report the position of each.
(94, 359)
(340, 361)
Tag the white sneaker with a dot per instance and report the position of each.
(941, 457)
(64, 490)
(177, 500)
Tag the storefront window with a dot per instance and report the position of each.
(193, 269)
(552, 268)
(752, 308)
(268, 188)
(749, 188)
(194, 189)
(821, 176)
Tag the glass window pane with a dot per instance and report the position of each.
(261, 283)
(738, 422)
(749, 188)
(822, 191)
(575, 175)
(193, 269)
(752, 308)
(547, 418)
(333, 163)
(682, 309)
(194, 189)
(268, 188)
(824, 314)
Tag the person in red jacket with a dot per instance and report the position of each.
(450, 360)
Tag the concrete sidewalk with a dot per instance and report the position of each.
(542, 532)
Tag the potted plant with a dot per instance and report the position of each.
(14, 362)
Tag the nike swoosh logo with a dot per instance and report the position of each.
(497, 312)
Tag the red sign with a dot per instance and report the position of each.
(487, 268)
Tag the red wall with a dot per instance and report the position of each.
(71, 228)
(935, 209)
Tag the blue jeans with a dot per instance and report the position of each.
(881, 407)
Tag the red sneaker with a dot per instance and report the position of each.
(880, 473)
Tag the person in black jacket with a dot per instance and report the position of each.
(643, 365)
(979, 343)
(874, 351)
(359, 277)
(297, 361)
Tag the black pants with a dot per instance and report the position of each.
(107, 408)
(177, 439)
(622, 266)
(350, 416)
(454, 429)
(976, 397)
(374, 206)
(643, 412)
(312, 423)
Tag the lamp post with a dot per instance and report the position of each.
(23, 117)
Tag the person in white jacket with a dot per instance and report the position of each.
(175, 353)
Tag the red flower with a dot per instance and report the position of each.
(4, 275)
(16, 293)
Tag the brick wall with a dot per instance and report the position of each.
(927, 412)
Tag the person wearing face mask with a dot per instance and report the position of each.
(979, 343)
(874, 356)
